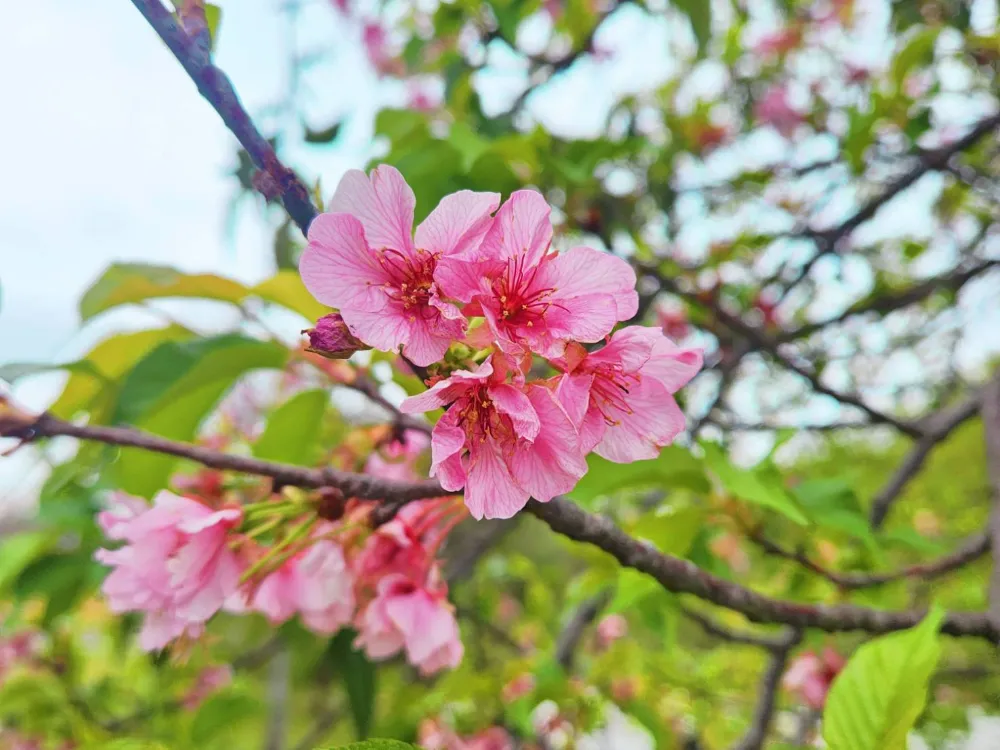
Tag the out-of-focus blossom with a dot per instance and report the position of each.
(209, 681)
(811, 675)
(774, 109)
(396, 459)
(610, 629)
(674, 322)
(519, 687)
(779, 42)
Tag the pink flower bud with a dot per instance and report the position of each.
(332, 338)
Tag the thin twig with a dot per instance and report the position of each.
(213, 84)
(761, 640)
(991, 424)
(767, 694)
(572, 633)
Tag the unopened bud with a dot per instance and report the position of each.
(332, 339)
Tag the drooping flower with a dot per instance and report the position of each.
(621, 396)
(176, 565)
(811, 675)
(774, 109)
(315, 583)
(534, 300)
(416, 618)
(331, 338)
(502, 443)
(362, 259)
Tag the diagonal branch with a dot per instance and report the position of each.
(213, 84)
(746, 638)
(561, 515)
(757, 733)
(934, 428)
(971, 549)
(572, 633)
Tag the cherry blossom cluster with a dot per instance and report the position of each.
(810, 676)
(185, 558)
(484, 276)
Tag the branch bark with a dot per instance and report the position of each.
(991, 425)
(764, 711)
(216, 87)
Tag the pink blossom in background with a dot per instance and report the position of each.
(673, 322)
(494, 738)
(610, 629)
(420, 97)
(362, 259)
(416, 618)
(502, 443)
(209, 681)
(396, 459)
(375, 39)
(342, 6)
(621, 396)
(394, 548)
(810, 676)
(19, 648)
(775, 110)
(175, 566)
(533, 300)
(433, 734)
(315, 584)
(519, 687)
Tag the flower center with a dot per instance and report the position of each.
(610, 390)
(521, 302)
(481, 419)
(411, 280)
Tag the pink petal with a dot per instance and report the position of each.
(588, 318)
(338, 268)
(160, 628)
(522, 227)
(463, 279)
(552, 464)
(672, 365)
(490, 490)
(573, 394)
(382, 203)
(630, 347)
(459, 222)
(425, 623)
(446, 391)
(227, 518)
(516, 405)
(586, 271)
(385, 329)
(447, 443)
(592, 430)
(429, 336)
(653, 421)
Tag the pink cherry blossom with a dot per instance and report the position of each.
(395, 548)
(396, 459)
(362, 259)
(778, 42)
(176, 565)
(418, 619)
(375, 40)
(315, 583)
(621, 396)
(774, 109)
(810, 676)
(610, 629)
(534, 300)
(502, 443)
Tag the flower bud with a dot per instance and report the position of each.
(332, 339)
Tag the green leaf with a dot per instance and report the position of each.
(293, 429)
(675, 467)
(17, 370)
(19, 551)
(171, 391)
(213, 18)
(127, 283)
(760, 486)
(221, 712)
(286, 289)
(876, 700)
(699, 12)
(110, 359)
(359, 678)
(62, 579)
(917, 52)
(672, 531)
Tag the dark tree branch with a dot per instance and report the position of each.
(684, 577)
(572, 633)
(971, 549)
(768, 692)
(934, 429)
(361, 486)
(991, 424)
(886, 303)
(213, 84)
(761, 640)
(561, 515)
(927, 161)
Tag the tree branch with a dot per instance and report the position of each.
(971, 549)
(934, 429)
(561, 515)
(572, 632)
(213, 84)
(761, 640)
(768, 692)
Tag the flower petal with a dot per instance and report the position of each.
(653, 421)
(383, 203)
(584, 270)
(459, 222)
(490, 490)
(447, 442)
(522, 227)
(516, 405)
(338, 268)
(552, 464)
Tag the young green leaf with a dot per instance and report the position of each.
(875, 701)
